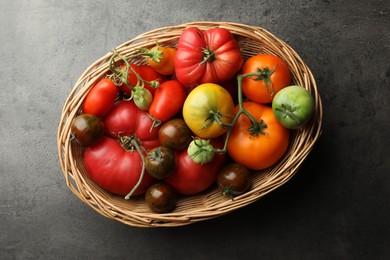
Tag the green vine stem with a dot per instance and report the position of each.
(257, 126)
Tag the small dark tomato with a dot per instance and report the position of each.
(86, 129)
(234, 179)
(160, 162)
(175, 134)
(161, 197)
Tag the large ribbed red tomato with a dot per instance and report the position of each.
(206, 56)
(115, 162)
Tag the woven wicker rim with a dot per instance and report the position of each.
(211, 203)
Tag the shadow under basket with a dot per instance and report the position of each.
(210, 203)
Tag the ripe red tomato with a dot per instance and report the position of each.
(210, 56)
(100, 98)
(257, 147)
(190, 178)
(274, 75)
(168, 100)
(126, 119)
(115, 169)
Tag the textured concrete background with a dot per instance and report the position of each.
(336, 207)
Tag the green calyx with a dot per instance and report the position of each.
(201, 151)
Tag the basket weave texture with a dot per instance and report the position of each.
(211, 203)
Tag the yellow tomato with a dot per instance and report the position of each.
(208, 109)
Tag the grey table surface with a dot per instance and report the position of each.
(335, 207)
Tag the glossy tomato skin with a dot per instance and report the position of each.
(160, 162)
(190, 178)
(125, 119)
(175, 134)
(147, 73)
(168, 100)
(114, 169)
(165, 65)
(293, 106)
(209, 56)
(161, 197)
(204, 101)
(259, 90)
(257, 151)
(100, 98)
(87, 129)
(234, 179)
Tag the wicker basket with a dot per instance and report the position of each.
(211, 203)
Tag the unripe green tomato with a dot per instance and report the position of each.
(293, 106)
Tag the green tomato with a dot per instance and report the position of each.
(293, 106)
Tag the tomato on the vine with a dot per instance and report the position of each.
(272, 74)
(145, 73)
(100, 98)
(257, 146)
(168, 100)
(207, 56)
(207, 110)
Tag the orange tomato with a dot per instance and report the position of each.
(161, 60)
(257, 148)
(273, 75)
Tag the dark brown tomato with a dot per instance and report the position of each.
(234, 179)
(175, 134)
(161, 197)
(160, 162)
(86, 129)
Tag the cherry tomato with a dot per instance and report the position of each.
(234, 180)
(189, 177)
(100, 98)
(175, 134)
(293, 106)
(210, 56)
(257, 146)
(161, 198)
(206, 107)
(273, 74)
(160, 162)
(161, 59)
(87, 129)
(168, 100)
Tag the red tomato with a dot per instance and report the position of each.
(126, 119)
(168, 100)
(100, 98)
(257, 148)
(210, 56)
(115, 169)
(146, 73)
(190, 178)
(275, 75)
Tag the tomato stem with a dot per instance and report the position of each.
(134, 143)
(155, 53)
(208, 56)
